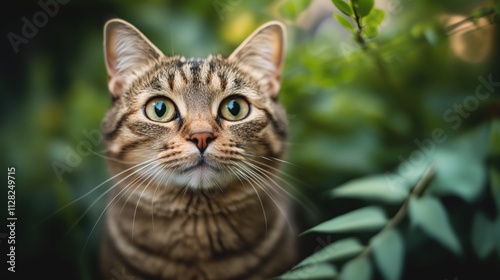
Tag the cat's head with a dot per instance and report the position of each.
(199, 123)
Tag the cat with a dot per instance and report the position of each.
(195, 146)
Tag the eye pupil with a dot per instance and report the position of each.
(160, 108)
(234, 107)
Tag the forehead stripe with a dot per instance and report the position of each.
(171, 79)
(222, 81)
(183, 75)
(195, 72)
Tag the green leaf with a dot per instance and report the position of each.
(364, 219)
(389, 253)
(377, 188)
(340, 249)
(375, 18)
(363, 7)
(315, 271)
(406, 174)
(429, 214)
(344, 22)
(372, 22)
(370, 31)
(460, 173)
(483, 236)
(357, 269)
(343, 7)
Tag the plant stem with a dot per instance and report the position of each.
(453, 27)
(417, 191)
(359, 36)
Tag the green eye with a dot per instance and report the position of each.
(234, 109)
(160, 109)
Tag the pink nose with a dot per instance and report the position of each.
(201, 139)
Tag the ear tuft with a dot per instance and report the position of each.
(127, 54)
(261, 54)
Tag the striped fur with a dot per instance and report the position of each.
(179, 212)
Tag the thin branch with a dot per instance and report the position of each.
(359, 35)
(452, 27)
(417, 191)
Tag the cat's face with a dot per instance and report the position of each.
(199, 123)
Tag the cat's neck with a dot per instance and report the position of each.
(237, 214)
(171, 200)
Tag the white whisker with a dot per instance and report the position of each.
(277, 169)
(249, 180)
(303, 201)
(109, 203)
(258, 178)
(110, 158)
(158, 185)
(153, 174)
(94, 189)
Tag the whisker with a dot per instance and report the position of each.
(110, 158)
(92, 190)
(304, 201)
(270, 158)
(278, 169)
(262, 181)
(258, 169)
(249, 179)
(138, 181)
(109, 203)
(158, 184)
(140, 196)
(265, 172)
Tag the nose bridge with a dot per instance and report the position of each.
(199, 115)
(200, 124)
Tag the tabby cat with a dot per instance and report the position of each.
(195, 147)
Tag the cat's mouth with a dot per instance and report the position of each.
(202, 174)
(201, 165)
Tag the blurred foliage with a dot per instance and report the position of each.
(375, 95)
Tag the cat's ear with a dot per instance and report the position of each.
(127, 54)
(261, 54)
